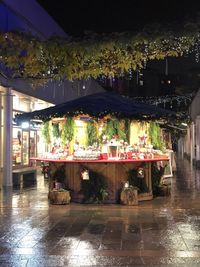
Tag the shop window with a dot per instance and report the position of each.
(17, 146)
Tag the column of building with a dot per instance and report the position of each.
(0, 136)
(7, 138)
(197, 141)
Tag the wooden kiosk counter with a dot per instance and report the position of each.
(114, 171)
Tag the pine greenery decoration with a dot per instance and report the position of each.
(94, 189)
(55, 130)
(155, 136)
(118, 128)
(46, 132)
(92, 132)
(111, 128)
(68, 130)
(127, 125)
(122, 130)
(136, 181)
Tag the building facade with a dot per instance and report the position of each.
(189, 145)
(17, 95)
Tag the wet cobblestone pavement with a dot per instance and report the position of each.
(163, 232)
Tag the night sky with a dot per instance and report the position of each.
(75, 17)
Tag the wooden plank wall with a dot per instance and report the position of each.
(116, 174)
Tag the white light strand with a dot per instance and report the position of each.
(154, 100)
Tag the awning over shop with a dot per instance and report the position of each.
(99, 105)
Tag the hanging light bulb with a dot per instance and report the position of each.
(197, 53)
(145, 63)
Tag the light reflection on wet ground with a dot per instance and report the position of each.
(161, 232)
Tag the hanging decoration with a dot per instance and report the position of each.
(127, 125)
(45, 132)
(55, 130)
(155, 135)
(85, 174)
(116, 128)
(140, 172)
(92, 132)
(68, 130)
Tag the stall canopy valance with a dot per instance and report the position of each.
(99, 105)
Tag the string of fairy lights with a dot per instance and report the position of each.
(176, 100)
(115, 54)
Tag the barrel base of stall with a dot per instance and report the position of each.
(59, 198)
(145, 196)
(129, 196)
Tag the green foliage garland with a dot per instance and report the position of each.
(136, 181)
(94, 189)
(155, 136)
(110, 55)
(127, 125)
(68, 130)
(92, 132)
(55, 130)
(46, 133)
(125, 130)
(112, 128)
(116, 127)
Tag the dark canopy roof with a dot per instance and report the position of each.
(99, 105)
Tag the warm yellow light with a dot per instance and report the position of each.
(126, 185)
(79, 123)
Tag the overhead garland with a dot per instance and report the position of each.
(110, 55)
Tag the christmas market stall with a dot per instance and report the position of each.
(103, 148)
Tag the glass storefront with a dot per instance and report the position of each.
(27, 141)
(24, 145)
(17, 146)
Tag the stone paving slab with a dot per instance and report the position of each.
(163, 232)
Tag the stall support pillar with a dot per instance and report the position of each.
(7, 139)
